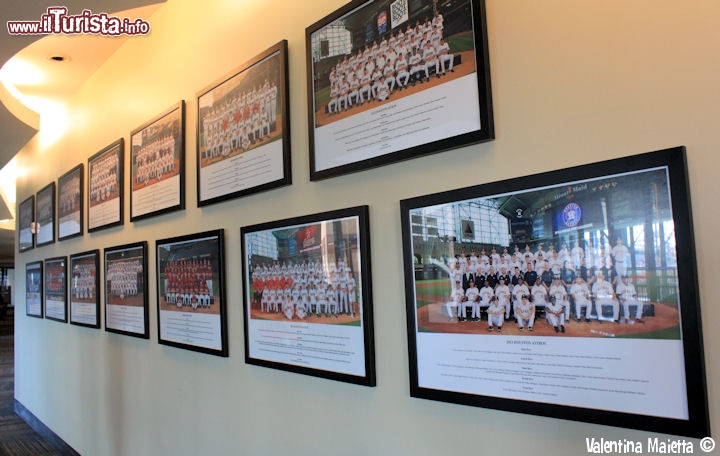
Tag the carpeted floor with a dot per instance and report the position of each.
(16, 437)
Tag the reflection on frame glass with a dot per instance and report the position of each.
(569, 294)
(45, 215)
(84, 287)
(105, 187)
(70, 203)
(191, 292)
(126, 302)
(307, 296)
(56, 289)
(390, 80)
(157, 165)
(243, 140)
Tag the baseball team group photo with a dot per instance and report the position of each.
(308, 273)
(594, 258)
(387, 50)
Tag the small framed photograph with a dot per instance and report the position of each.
(70, 203)
(243, 131)
(46, 215)
(307, 295)
(157, 165)
(570, 294)
(391, 80)
(191, 292)
(56, 289)
(34, 289)
(105, 187)
(126, 302)
(84, 287)
(26, 224)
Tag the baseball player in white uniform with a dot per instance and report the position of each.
(581, 296)
(628, 296)
(525, 313)
(605, 296)
(555, 314)
(496, 313)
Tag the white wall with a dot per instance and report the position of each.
(573, 82)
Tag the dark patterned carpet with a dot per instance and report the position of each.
(16, 437)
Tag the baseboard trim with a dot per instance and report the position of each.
(44, 431)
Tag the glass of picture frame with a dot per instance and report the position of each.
(70, 203)
(45, 215)
(85, 289)
(157, 166)
(393, 80)
(307, 295)
(243, 130)
(34, 289)
(26, 224)
(594, 315)
(191, 292)
(126, 301)
(105, 187)
(55, 294)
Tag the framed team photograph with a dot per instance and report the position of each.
(70, 203)
(157, 165)
(391, 80)
(105, 187)
(570, 294)
(243, 131)
(307, 295)
(34, 289)
(56, 289)
(126, 297)
(191, 292)
(45, 215)
(84, 287)
(26, 224)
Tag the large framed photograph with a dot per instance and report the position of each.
(191, 292)
(569, 294)
(105, 187)
(390, 80)
(157, 165)
(70, 203)
(307, 295)
(243, 131)
(84, 286)
(34, 289)
(26, 224)
(45, 213)
(126, 302)
(56, 289)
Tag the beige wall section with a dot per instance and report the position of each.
(573, 82)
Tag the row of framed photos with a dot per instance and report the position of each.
(387, 81)
(307, 296)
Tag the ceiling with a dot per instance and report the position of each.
(58, 81)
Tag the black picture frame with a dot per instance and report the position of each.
(34, 285)
(361, 116)
(126, 290)
(105, 187)
(157, 165)
(645, 371)
(45, 215)
(70, 203)
(26, 224)
(237, 156)
(84, 275)
(333, 245)
(55, 292)
(191, 301)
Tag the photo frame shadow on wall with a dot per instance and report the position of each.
(393, 80)
(609, 333)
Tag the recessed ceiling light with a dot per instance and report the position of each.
(59, 58)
